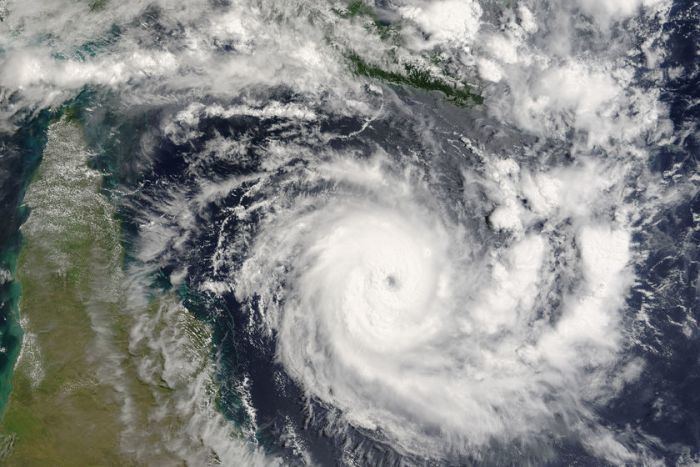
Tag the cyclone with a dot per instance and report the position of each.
(392, 312)
(391, 232)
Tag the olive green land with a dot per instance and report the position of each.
(105, 376)
(60, 411)
(91, 386)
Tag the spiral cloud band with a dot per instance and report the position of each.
(386, 309)
(446, 232)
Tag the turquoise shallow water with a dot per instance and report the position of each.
(21, 156)
(10, 330)
(222, 180)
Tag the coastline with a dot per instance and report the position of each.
(23, 153)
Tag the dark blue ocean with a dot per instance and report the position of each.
(667, 283)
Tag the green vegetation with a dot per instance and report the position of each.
(78, 361)
(359, 9)
(59, 412)
(96, 5)
(30, 140)
(417, 78)
(411, 75)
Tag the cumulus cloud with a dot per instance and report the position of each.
(435, 331)
(453, 22)
(606, 12)
(386, 311)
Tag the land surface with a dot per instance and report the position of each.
(62, 411)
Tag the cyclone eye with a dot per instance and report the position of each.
(392, 282)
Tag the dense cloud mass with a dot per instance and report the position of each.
(421, 231)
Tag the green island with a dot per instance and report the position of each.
(417, 78)
(405, 74)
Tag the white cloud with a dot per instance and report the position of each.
(385, 306)
(446, 21)
(489, 70)
(604, 12)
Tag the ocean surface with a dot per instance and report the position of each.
(417, 233)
